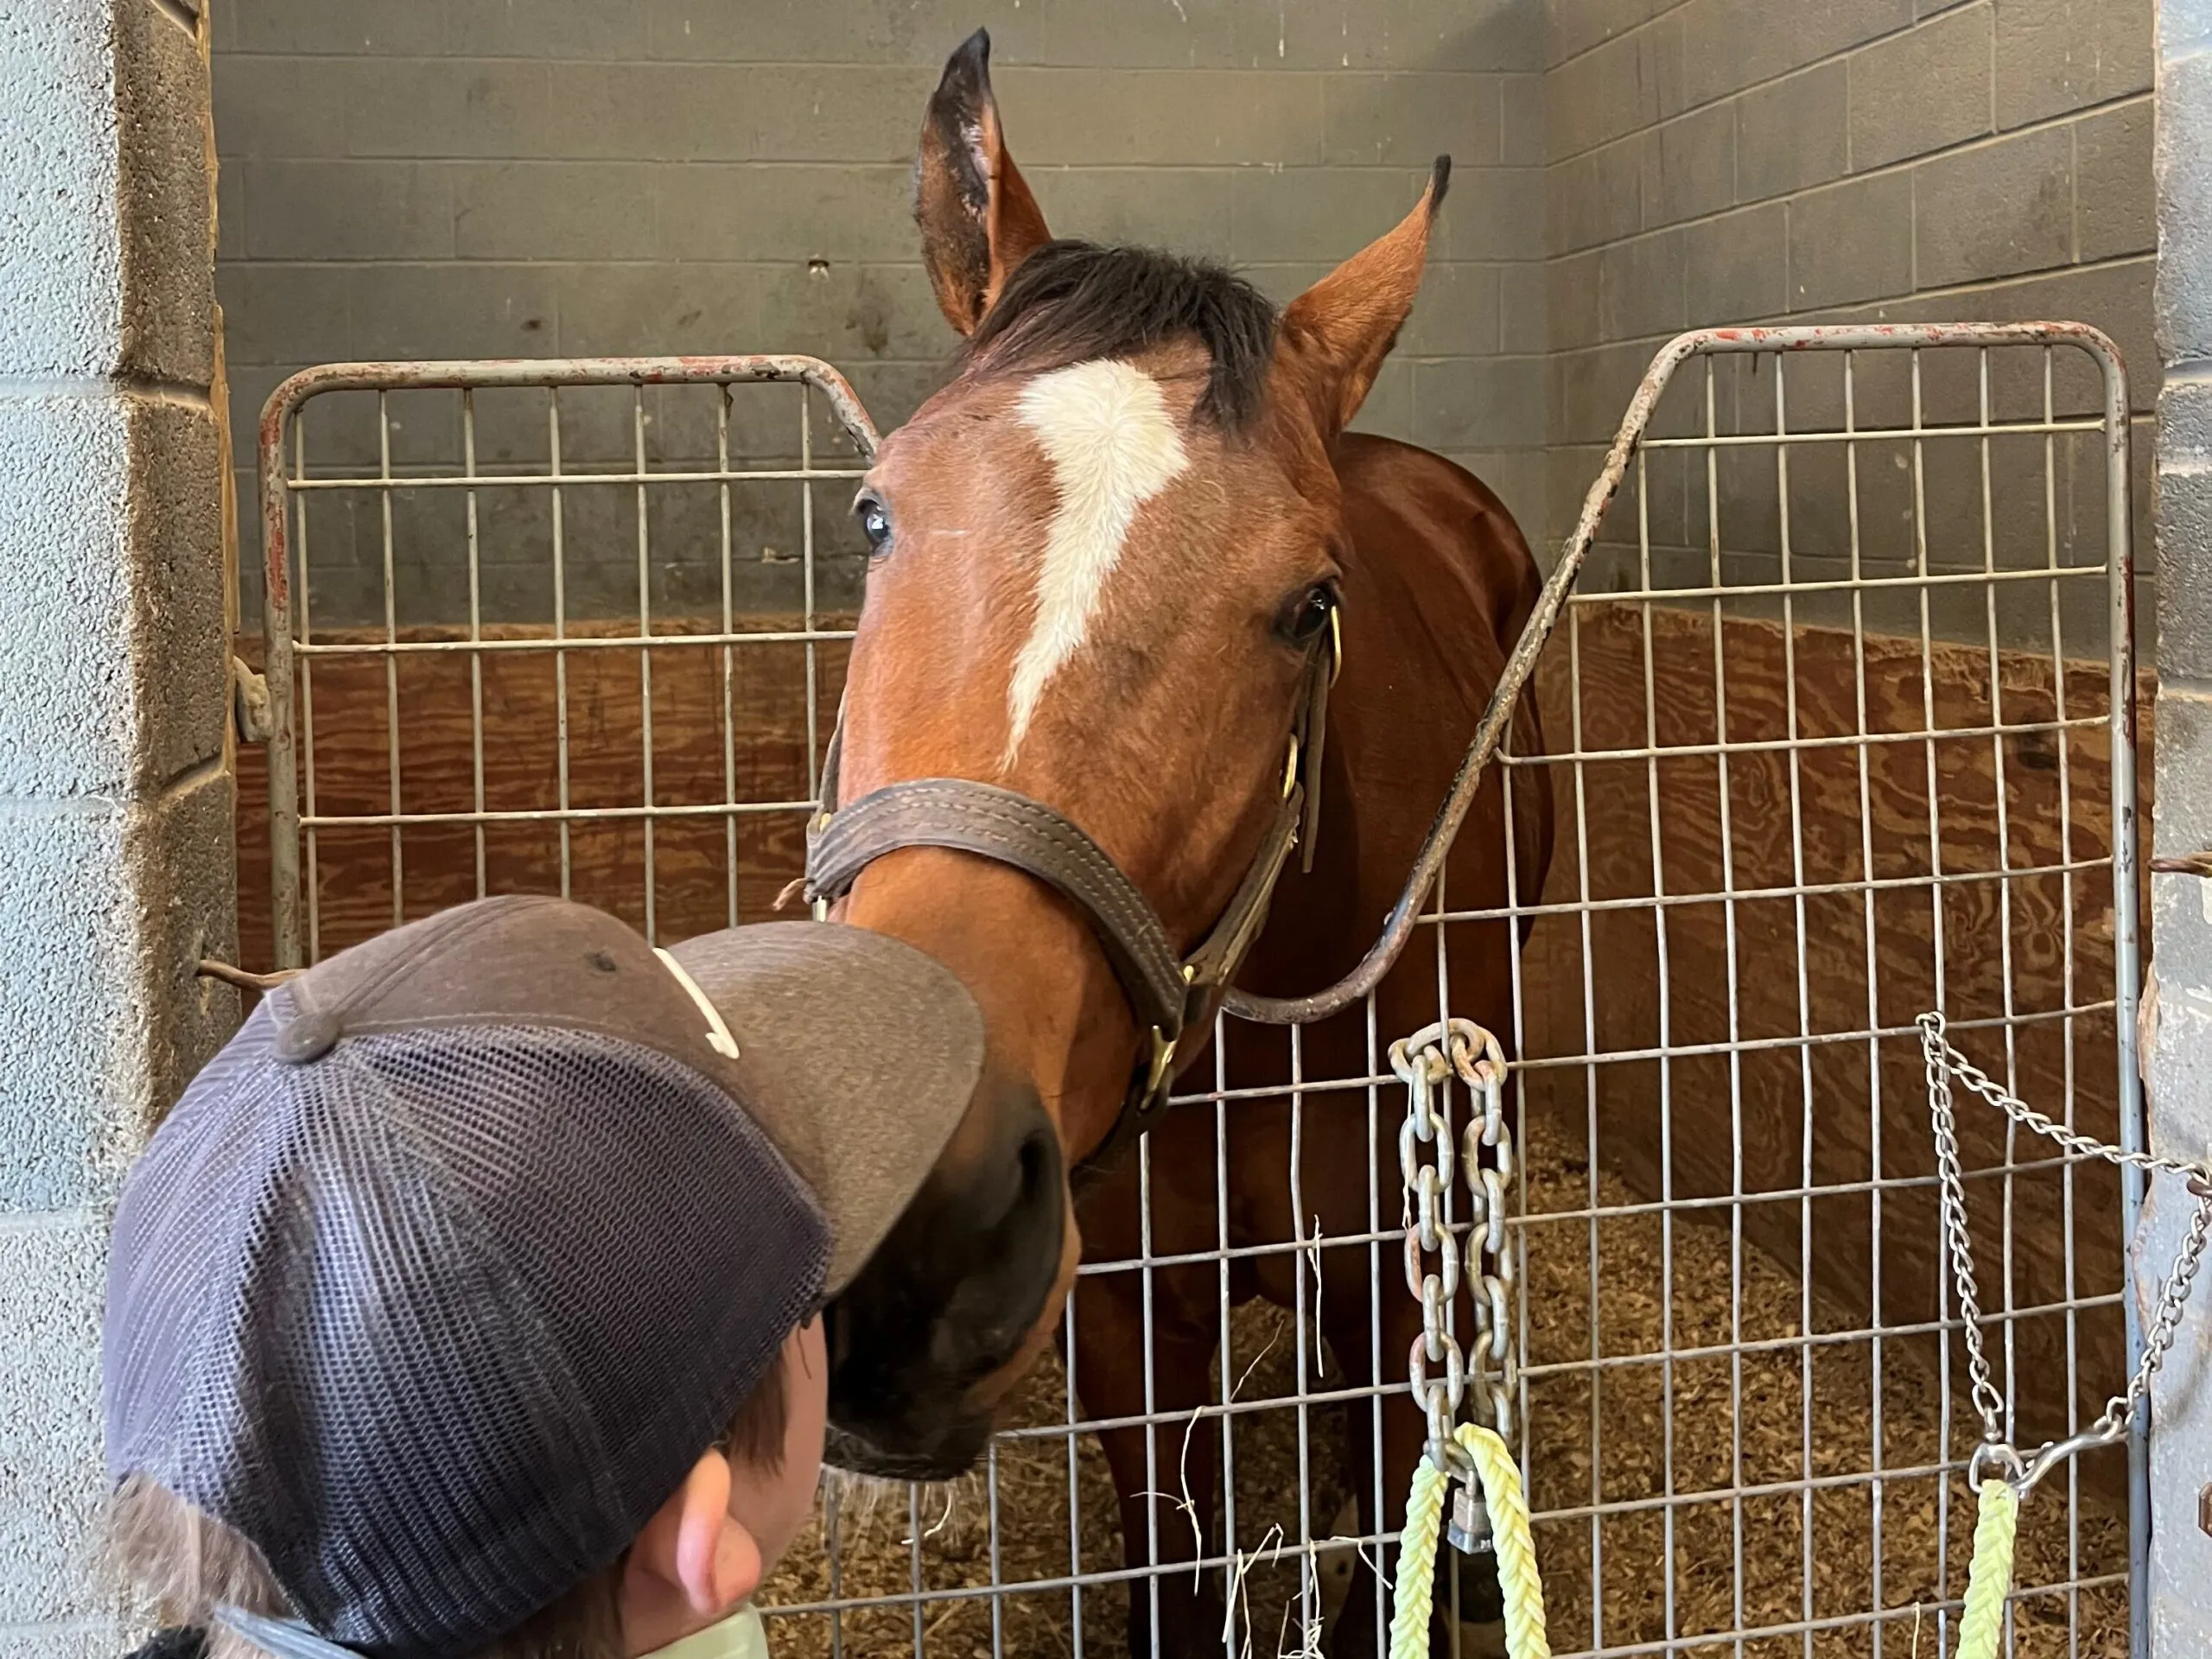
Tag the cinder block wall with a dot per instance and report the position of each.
(422, 178)
(116, 867)
(1713, 161)
(2178, 1062)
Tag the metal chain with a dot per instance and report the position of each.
(1494, 1359)
(1957, 1242)
(1943, 1062)
(1421, 1062)
(1490, 1364)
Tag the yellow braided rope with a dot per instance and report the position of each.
(1997, 1519)
(1417, 1563)
(1522, 1590)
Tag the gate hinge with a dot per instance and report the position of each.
(249, 704)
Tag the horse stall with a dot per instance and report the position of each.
(1796, 808)
(1835, 677)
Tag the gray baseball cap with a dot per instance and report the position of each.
(445, 1271)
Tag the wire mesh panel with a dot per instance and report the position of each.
(1841, 710)
(1838, 701)
(564, 626)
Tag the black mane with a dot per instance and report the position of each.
(1071, 301)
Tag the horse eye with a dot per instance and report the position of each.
(1310, 613)
(874, 523)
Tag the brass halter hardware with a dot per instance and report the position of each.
(1163, 1061)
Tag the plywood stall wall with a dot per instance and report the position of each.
(764, 744)
(1827, 1116)
(1695, 1127)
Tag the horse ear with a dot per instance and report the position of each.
(1335, 335)
(978, 219)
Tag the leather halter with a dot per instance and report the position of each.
(1169, 995)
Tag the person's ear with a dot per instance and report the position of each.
(692, 1558)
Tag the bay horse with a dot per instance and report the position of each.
(1105, 559)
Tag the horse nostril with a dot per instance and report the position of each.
(1024, 1184)
(1040, 1164)
(1038, 1192)
(1021, 1175)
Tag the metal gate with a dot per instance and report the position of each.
(1841, 698)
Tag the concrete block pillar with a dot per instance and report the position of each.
(117, 856)
(2177, 1022)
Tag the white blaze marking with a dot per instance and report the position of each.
(1112, 445)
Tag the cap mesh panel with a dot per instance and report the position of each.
(440, 1320)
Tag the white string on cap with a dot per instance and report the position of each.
(717, 1031)
(288, 1638)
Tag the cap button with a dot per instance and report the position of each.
(307, 1037)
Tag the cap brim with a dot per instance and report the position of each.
(857, 1053)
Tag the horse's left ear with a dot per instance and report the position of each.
(1335, 335)
(978, 219)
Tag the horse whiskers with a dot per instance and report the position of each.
(839, 1485)
(844, 1499)
(951, 1502)
(870, 1491)
(952, 1491)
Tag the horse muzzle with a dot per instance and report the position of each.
(958, 1291)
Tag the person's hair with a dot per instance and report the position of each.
(755, 1435)
(166, 1551)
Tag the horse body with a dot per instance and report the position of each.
(1435, 592)
(1111, 561)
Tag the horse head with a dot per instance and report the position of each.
(1080, 719)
